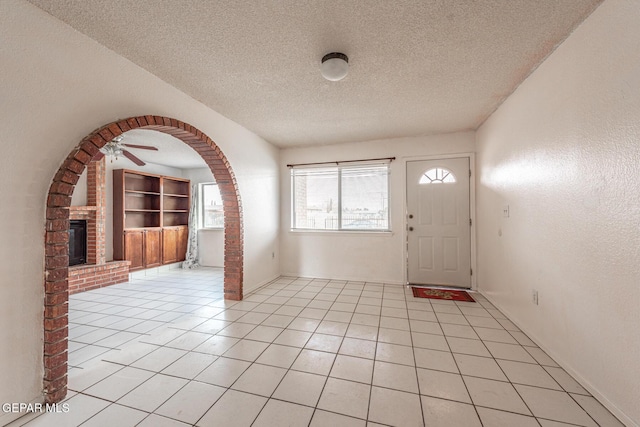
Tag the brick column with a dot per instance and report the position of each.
(96, 226)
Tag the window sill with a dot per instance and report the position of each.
(341, 232)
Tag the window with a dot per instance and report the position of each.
(341, 197)
(211, 213)
(437, 176)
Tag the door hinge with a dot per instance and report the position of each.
(472, 271)
(469, 173)
(470, 222)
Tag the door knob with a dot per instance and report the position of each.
(410, 228)
(410, 216)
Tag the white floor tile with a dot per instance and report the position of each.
(509, 352)
(234, 408)
(496, 395)
(279, 355)
(476, 366)
(365, 332)
(352, 368)
(395, 354)
(434, 359)
(322, 342)
(554, 405)
(189, 365)
(246, 350)
(191, 402)
(315, 362)
(293, 338)
(260, 379)
(565, 380)
(80, 379)
(394, 407)
(120, 383)
(113, 415)
(153, 393)
(495, 418)
(324, 418)
(159, 359)
(216, 345)
(154, 420)
(277, 349)
(300, 387)
(444, 385)
(358, 348)
(394, 376)
(223, 372)
(264, 333)
(345, 397)
(528, 374)
(277, 413)
(468, 346)
(447, 413)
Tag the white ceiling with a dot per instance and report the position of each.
(416, 66)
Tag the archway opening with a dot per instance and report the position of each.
(57, 231)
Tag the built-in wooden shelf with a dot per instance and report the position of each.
(150, 218)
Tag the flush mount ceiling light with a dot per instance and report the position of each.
(335, 66)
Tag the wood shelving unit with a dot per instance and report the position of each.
(150, 218)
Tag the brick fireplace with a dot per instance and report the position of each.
(97, 272)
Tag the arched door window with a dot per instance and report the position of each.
(437, 176)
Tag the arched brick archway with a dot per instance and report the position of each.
(57, 234)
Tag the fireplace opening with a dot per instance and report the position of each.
(77, 242)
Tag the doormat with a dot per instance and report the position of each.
(441, 294)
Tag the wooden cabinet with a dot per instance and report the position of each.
(142, 248)
(174, 244)
(134, 249)
(183, 240)
(152, 247)
(150, 218)
(169, 245)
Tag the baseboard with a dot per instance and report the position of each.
(250, 289)
(626, 420)
(346, 279)
(154, 271)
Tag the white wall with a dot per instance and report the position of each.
(563, 152)
(56, 87)
(374, 257)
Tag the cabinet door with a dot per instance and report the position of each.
(153, 248)
(134, 249)
(183, 239)
(169, 245)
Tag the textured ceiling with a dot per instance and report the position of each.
(416, 66)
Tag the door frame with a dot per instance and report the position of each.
(472, 210)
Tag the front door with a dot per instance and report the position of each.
(438, 222)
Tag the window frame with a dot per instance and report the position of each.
(201, 207)
(339, 169)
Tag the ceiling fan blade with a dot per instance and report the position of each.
(133, 158)
(99, 155)
(142, 147)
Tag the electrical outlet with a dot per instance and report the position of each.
(505, 211)
(535, 297)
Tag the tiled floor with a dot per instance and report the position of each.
(169, 351)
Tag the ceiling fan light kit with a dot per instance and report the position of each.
(115, 148)
(335, 66)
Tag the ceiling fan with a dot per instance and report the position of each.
(115, 148)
